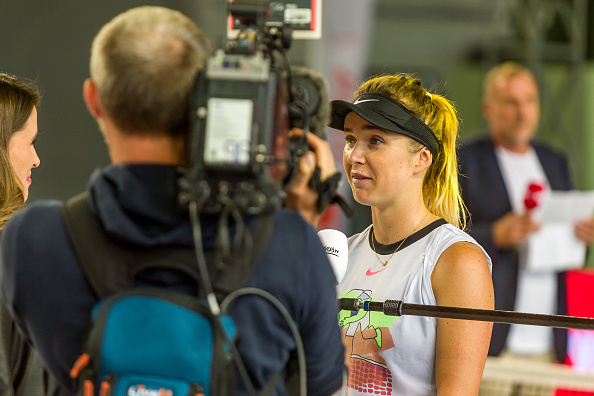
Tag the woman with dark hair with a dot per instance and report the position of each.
(21, 371)
(18, 130)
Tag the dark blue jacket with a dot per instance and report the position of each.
(486, 198)
(47, 293)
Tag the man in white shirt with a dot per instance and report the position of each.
(495, 173)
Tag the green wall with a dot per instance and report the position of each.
(463, 85)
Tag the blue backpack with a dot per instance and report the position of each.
(153, 341)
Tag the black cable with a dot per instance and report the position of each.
(292, 326)
(201, 259)
(242, 235)
(211, 298)
(297, 147)
(242, 238)
(302, 106)
(222, 241)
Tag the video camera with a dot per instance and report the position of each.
(242, 108)
(241, 157)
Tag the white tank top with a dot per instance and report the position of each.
(392, 354)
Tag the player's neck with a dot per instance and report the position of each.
(393, 225)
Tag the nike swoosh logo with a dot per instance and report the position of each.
(369, 272)
(365, 100)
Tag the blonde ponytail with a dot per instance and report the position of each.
(441, 191)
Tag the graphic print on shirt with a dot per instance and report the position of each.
(366, 334)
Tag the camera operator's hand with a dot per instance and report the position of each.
(300, 195)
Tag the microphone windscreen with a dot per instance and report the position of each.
(312, 88)
(335, 243)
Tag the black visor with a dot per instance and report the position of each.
(385, 113)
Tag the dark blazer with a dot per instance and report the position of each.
(486, 198)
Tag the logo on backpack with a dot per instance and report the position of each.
(141, 390)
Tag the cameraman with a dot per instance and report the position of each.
(143, 64)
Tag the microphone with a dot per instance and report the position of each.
(399, 308)
(310, 110)
(311, 88)
(335, 243)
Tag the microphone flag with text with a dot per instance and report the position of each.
(335, 243)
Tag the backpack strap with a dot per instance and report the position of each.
(111, 267)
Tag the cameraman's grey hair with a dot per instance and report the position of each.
(144, 62)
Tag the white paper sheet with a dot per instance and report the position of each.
(554, 246)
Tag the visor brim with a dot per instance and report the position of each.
(340, 109)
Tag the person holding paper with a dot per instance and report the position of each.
(495, 174)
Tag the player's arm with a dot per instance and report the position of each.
(462, 278)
